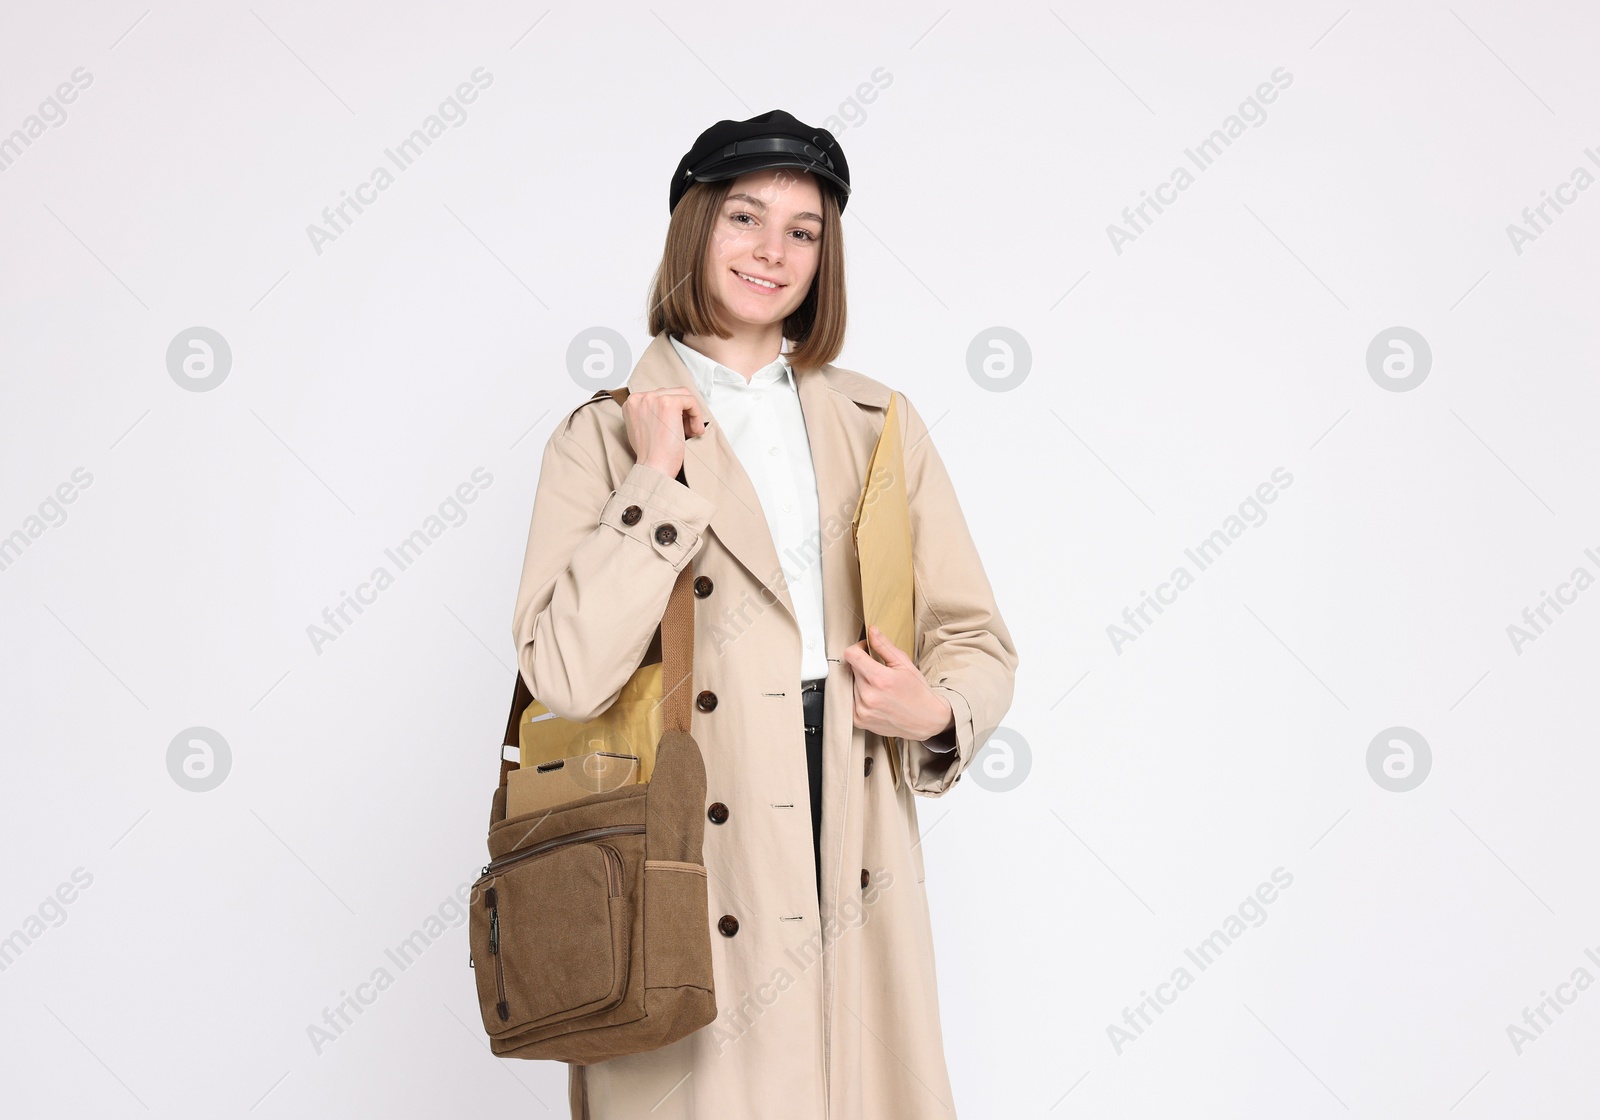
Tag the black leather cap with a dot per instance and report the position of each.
(728, 149)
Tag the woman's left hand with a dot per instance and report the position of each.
(894, 698)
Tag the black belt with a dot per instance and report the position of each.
(811, 707)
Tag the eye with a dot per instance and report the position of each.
(737, 214)
(809, 236)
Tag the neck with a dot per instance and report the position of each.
(751, 347)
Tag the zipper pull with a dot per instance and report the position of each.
(491, 900)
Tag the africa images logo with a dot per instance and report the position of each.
(452, 111)
(1252, 111)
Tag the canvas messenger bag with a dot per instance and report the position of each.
(589, 924)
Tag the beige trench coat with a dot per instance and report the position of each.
(821, 1016)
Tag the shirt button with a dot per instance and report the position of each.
(666, 534)
(706, 701)
(631, 515)
(810, 644)
(718, 812)
(702, 586)
(787, 506)
(772, 451)
(728, 925)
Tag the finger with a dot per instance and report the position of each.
(688, 407)
(888, 655)
(694, 422)
(664, 400)
(868, 669)
(893, 655)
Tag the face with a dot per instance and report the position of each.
(769, 229)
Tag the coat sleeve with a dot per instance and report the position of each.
(594, 587)
(965, 650)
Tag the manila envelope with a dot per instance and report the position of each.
(567, 779)
(631, 726)
(882, 533)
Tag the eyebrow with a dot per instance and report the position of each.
(757, 202)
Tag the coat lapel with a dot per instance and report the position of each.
(713, 470)
(841, 435)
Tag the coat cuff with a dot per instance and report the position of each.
(945, 741)
(930, 771)
(645, 501)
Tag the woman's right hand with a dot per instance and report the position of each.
(659, 421)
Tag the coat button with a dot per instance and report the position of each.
(869, 765)
(706, 701)
(702, 586)
(728, 925)
(718, 812)
(666, 534)
(631, 515)
(864, 878)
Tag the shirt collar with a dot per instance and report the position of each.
(707, 371)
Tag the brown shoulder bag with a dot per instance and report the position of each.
(589, 926)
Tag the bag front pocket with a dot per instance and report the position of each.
(552, 930)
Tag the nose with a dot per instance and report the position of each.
(769, 246)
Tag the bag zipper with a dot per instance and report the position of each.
(491, 900)
(518, 856)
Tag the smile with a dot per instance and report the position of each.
(759, 285)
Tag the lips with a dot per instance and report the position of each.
(757, 287)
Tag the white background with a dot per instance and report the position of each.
(1157, 786)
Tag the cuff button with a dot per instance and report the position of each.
(666, 534)
(631, 515)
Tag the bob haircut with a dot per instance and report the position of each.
(682, 301)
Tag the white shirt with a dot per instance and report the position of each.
(762, 421)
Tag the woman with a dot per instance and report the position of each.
(822, 953)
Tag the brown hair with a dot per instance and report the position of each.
(682, 302)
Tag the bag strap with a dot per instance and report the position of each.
(676, 634)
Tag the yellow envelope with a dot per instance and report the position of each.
(882, 532)
(631, 726)
(540, 788)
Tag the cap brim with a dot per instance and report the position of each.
(737, 166)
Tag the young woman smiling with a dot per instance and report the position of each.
(822, 953)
